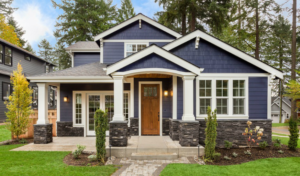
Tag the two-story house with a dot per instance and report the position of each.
(155, 81)
(10, 56)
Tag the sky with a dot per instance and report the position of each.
(38, 17)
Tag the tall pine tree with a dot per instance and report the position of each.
(18, 30)
(45, 50)
(83, 19)
(5, 7)
(61, 58)
(29, 48)
(125, 12)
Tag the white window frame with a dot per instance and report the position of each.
(135, 43)
(205, 97)
(230, 97)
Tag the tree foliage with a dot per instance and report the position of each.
(210, 133)
(29, 48)
(45, 50)
(18, 30)
(61, 58)
(7, 32)
(5, 7)
(294, 134)
(100, 129)
(125, 12)
(19, 103)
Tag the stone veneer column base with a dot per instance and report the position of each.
(134, 126)
(165, 126)
(188, 133)
(67, 129)
(118, 133)
(42, 133)
(174, 131)
(232, 130)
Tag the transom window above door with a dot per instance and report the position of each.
(131, 48)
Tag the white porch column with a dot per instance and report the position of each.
(58, 103)
(118, 98)
(42, 103)
(188, 98)
(174, 108)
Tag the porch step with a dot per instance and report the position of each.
(154, 156)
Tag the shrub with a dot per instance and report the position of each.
(286, 120)
(217, 156)
(227, 144)
(78, 151)
(280, 151)
(278, 141)
(92, 157)
(248, 152)
(227, 158)
(277, 145)
(211, 133)
(294, 134)
(100, 128)
(23, 141)
(263, 145)
(234, 154)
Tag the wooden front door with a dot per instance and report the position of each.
(150, 109)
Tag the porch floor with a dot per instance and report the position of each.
(136, 144)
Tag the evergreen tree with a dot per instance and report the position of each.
(29, 48)
(126, 11)
(5, 7)
(83, 19)
(18, 30)
(294, 55)
(45, 50)
(61, 58)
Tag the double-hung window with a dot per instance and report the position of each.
(132, 48)
(78, 108)
(204, 95)
(222, 96)
(1, 54)
(8, 56)
(6, 90)
(238, 96)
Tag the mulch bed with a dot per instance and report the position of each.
(256, 153)
(18, 142)
(82, 161)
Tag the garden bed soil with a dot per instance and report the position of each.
(256, 153)
(18, 142)
(81, 161)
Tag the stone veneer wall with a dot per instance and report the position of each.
(232, 130)
(42, 133)
(67, 129)
(134, 126)
(165, 126)
(174, 129)
(118, 133)
(188, 133)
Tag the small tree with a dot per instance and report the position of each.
(101, 126)
(211, 134)
(294, 134)
(249, 132)
(18, 103)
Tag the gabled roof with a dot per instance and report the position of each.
(286, 100)
(153, 49)
(136, 18)
(25, 51)
(209, 38)
(84, 45)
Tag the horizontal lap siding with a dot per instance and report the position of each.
(258, 97)
(113, 52)
(213, 59)
(153, 61)
(133, 31)
(67, 90)
(86, 58)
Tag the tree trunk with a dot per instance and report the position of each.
(193, 21)
(183, 23)
(239, 24)
(257, 31)
(293, 66)
(280, 92)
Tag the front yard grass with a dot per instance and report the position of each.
(266, 167)
(281, 124)
(44, 163)
(285, 140)
(4, 133)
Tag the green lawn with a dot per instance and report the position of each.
(262, 167)
(4, 133)
(281, 124)
(285, 141)
(44, 163)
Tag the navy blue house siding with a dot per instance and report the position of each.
(113, 52)
(153, 61)
(258, 98)
(166, 100)
(133, 31)
(213, 59)
(179, 98)
(67, 90)
(86, 58)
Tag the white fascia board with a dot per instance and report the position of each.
(227, 48)
(153, 70)
(138, 41)
(213, 75)
(84, 50)
(150, 50)
(136, 18)
(69, 79)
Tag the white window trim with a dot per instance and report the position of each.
(125, 46)
(230, 97)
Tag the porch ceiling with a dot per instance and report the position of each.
(150, 76)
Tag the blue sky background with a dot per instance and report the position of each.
(38, 17)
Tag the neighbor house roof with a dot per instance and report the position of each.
(25, 51)
(286, 100)
(84, 45)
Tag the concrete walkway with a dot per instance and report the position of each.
(282, 130)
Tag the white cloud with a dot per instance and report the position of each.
(36, 24)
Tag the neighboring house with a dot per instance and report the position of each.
(155, 81)
(286, 109)
(10, 56)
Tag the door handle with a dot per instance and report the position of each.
(158, 116)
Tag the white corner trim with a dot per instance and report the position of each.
(269, 97)
(160, 102)
(227, 48)
(136, 18)
(157, 50)
(174, 90)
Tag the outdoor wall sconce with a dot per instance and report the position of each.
(166, 93)
(65, 99)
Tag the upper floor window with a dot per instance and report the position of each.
(27, 57)
(131, 48)
(8, 56)
(47, 68)
(6, 90)
(1, 53)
